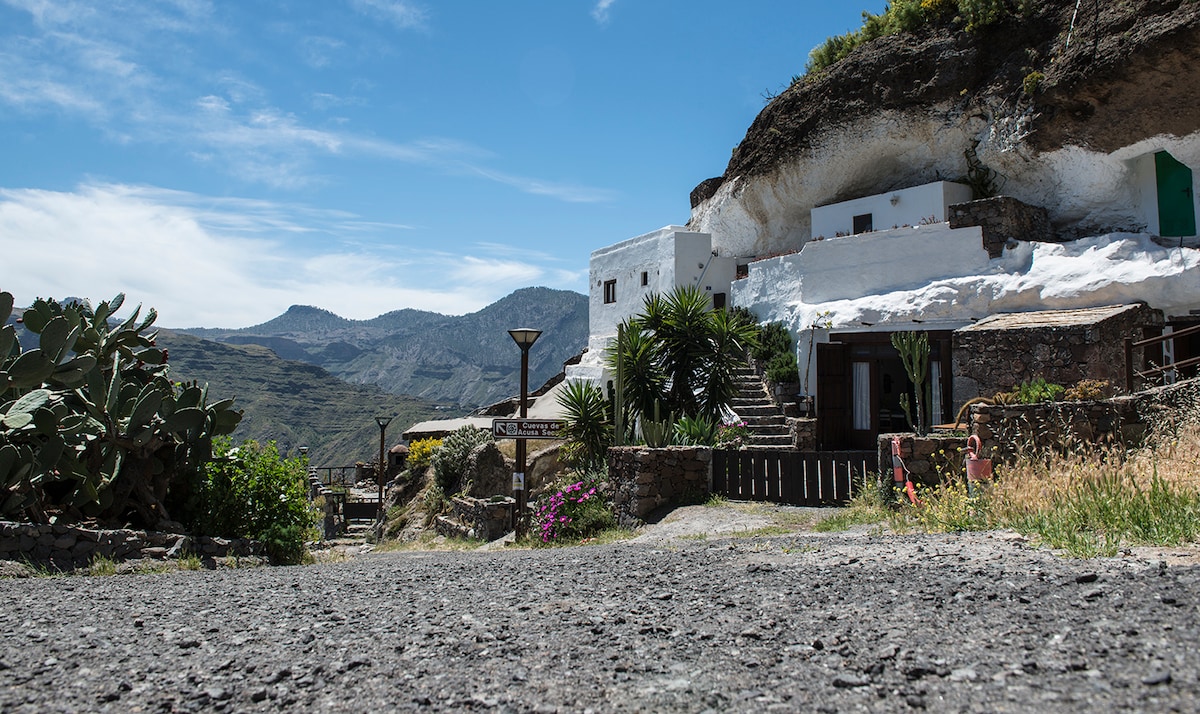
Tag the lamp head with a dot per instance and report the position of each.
(382, 421)
(525, 336)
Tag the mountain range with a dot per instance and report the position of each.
(311, 378)
(461, 362)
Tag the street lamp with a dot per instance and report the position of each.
(524, 337)
(382, 421)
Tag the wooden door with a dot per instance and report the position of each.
(833, 395)
(1176, 205)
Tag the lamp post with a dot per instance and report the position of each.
(524, 337)
(382, 421)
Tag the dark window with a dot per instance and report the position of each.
(862, 224)
(610, 291)
(718, 301)
(645, 278)
(743, 271)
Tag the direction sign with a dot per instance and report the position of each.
(527, 428)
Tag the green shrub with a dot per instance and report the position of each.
(1032, 81)
(250, 491)
(449, 460)
(909, 16)
(773, 339)
(782, 369)
(1036, 391)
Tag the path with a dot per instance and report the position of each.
(802, 622)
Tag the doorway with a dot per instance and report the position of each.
(860, 382)
(1176, 201)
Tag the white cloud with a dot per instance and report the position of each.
(600, 11)
(318, 51)
(402, 14)
(221, 262)
(117, 66)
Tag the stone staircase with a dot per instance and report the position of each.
(764, 418)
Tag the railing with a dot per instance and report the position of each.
(341, 479)
(797, 478)
(1130, 344)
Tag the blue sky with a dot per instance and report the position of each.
(223, 160)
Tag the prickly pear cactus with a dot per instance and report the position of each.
(90, 425)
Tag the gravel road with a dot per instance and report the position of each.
(670, 622)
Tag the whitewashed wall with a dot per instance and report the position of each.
(668, 257)
(928, 203)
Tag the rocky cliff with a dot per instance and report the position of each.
(1056, 102)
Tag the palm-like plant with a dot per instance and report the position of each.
(588, 430)
(682, 353)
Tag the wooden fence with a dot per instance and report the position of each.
(796, 478)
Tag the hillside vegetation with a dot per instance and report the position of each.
(463, 361)
(292, 403)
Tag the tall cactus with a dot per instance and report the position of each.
(90, 425)
(914, 353)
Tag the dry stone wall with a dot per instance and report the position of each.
(486, 519)
(62, 547)
(991, 361)
(644, 480)
(1003, 219)
(928, 459)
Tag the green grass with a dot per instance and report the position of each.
(102, 566)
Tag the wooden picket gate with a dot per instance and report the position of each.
(796, 478)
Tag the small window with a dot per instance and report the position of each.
(718, 301)
(610, 291)
(645, 278)
(743, 271)
(862, 224)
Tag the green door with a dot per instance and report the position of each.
(1176, 210)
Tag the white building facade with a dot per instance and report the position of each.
(622, 275)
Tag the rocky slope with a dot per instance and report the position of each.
(1057, 123)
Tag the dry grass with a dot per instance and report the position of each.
(1087, 501)
(508, 447)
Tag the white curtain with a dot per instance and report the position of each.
(861, 375)
(935, 393)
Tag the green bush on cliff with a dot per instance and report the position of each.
(911, 15)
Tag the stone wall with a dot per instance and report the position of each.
(1121, 421)
(990, 361)
(67, 547)
(644, 480)
(803, 432)
(486, 519)
(1002, 219)
(927, 458)
(1006, 431)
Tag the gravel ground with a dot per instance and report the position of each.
(701, 617)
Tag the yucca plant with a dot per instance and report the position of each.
(589, 430)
